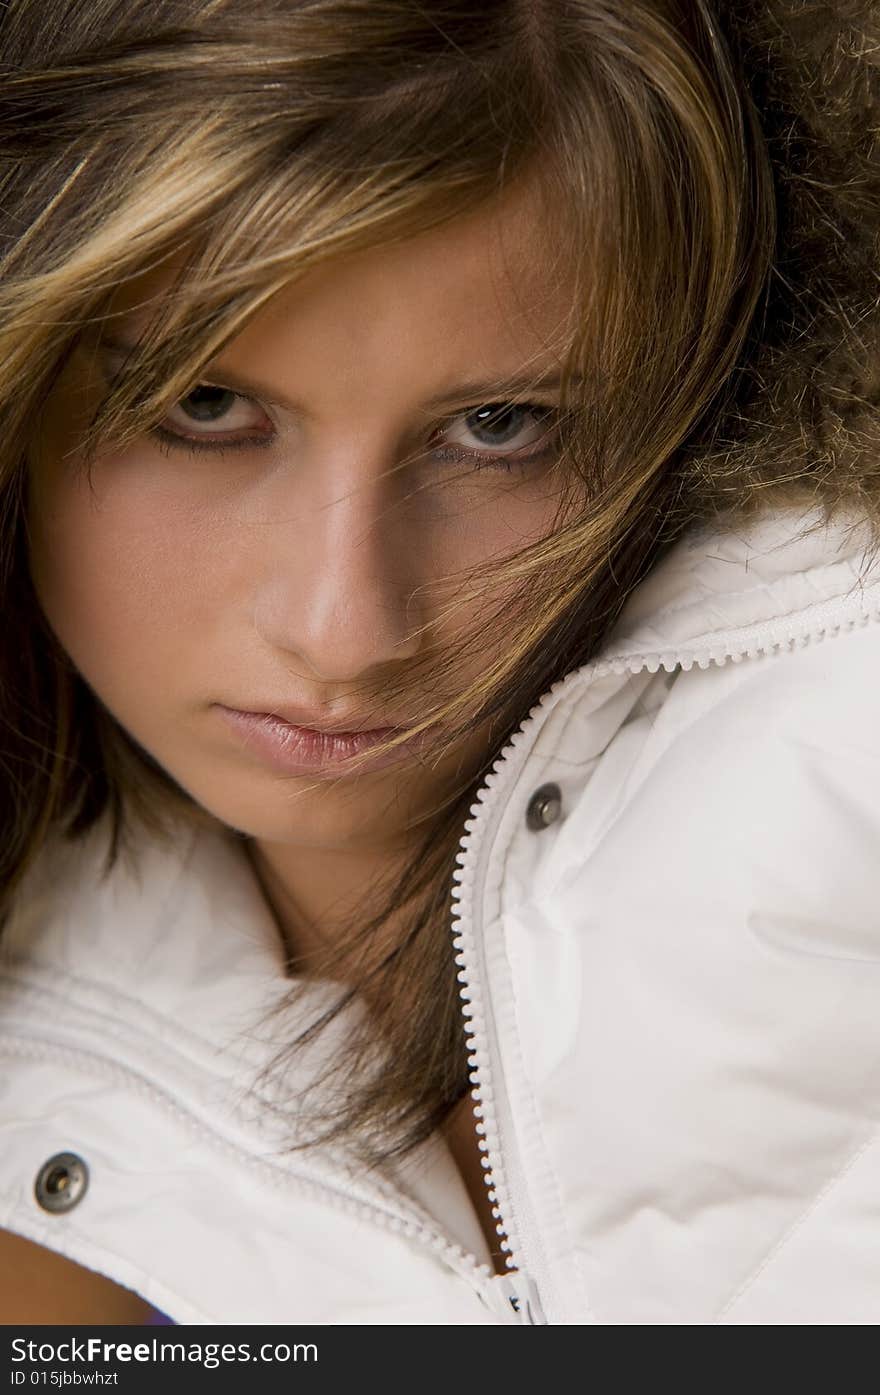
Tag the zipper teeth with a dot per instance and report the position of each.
(468, 953)
(776, 637)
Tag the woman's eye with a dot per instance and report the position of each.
(207, 407)
(213, 419)
(503, 432)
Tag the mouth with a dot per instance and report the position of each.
(292, 748)
(351, 724)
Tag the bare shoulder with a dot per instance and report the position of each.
(40, 1287)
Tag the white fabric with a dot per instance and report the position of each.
(679, 997)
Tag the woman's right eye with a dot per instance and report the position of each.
(212, 405)
(207, 405)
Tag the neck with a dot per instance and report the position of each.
(316, 894)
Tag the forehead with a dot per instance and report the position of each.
(488, 284)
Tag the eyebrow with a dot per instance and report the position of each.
(470, 391)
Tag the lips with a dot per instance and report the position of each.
(306, 720)
(292, 749)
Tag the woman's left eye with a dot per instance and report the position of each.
(501, 434)
(495, 435)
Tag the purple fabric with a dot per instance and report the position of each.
(159, 1320)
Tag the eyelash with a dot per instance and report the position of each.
(169, 441)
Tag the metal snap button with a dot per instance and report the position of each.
(61, 1182)
(545, 806)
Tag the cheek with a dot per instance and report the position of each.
(116, 572)
(492, 525)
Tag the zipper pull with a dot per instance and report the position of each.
(520, 1297)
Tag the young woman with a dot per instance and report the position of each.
(440, 502)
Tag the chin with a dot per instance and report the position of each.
(299, 811)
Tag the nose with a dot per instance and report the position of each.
(338, 592)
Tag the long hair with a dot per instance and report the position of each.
(247, 144)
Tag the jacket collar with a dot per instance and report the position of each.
(738, 588)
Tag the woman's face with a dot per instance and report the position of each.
(294, 567)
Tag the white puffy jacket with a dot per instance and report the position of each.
(671, 978)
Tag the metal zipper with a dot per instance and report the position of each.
(514, 1219)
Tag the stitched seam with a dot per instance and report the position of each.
(197, 1078)
(789, 1235)
(38, 983)
(550, 1177)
